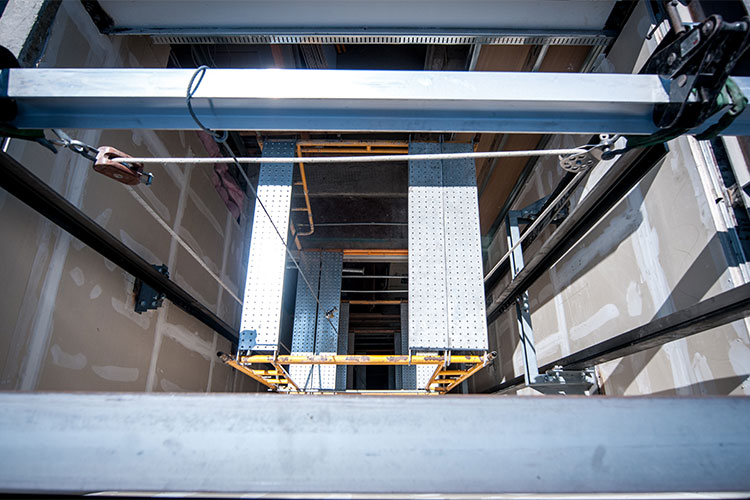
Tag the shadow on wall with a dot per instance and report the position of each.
(594, 248)
(692, 288)
(716, 386)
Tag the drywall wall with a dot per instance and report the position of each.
(663, 248)
(66, 315)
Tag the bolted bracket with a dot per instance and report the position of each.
(560, 381)
(146, 298)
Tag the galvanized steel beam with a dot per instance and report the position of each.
(86, 443)
(325, 100)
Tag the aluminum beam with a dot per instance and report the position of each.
(161, 443)
(329, 17)
(261, 307)
(34, 192)
(327, 100)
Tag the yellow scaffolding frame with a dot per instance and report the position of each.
(442, 380)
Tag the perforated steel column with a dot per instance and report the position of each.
(343, 346)
(326, 338)
(261, 308)
(305, 316)
(446, 289)
(408, 373)
(467, 322)
(428, 321)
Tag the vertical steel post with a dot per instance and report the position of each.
(261, 307)
(523, 316)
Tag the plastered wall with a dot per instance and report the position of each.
(663, 248)
(66, 315)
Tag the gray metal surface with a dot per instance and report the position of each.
(275, 99)
(329, 17)
(343, 345)
(428, 313)
(76, 443)
(326, 337)
(305, 314)
(261, 307)
(464, 275)
(408, 373)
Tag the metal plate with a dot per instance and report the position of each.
(424, 372)
(326, 338)
(467, 323)
(427, 296)
(343, 346)
(261, 308)
(305, 314)
(408, 373)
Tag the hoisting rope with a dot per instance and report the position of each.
(364, 159)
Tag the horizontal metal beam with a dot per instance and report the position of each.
(719, 310)
(31, 190)
(622, 176)
(327, 17)
(85, 443)
(340, 100)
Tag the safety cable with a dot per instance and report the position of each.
(363, 159)
(182, 243)
(220, 140)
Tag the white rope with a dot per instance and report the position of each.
(360, 159)
(182, 243)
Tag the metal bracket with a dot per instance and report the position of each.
(694, 68)
(560, 381)
(146, 298)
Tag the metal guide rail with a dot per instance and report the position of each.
(269, 369)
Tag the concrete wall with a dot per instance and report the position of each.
(66, 313)
(663, 248)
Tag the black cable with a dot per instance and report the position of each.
(218, 137)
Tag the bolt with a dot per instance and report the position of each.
(707, 27)
(143, 302)
(681, 80)
(672, 58)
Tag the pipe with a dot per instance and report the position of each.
(307, 196)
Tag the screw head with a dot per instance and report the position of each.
(671, 58)
(681, 80)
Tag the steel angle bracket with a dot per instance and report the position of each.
(569, 382)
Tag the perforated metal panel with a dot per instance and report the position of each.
(398, 370)
(424, 372)
(428, 326)
(467, 323)
(305, 313)
(261, 308)
(326, 338)
(343, 346)
(408, 373)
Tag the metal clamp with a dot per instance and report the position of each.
(589, 156)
